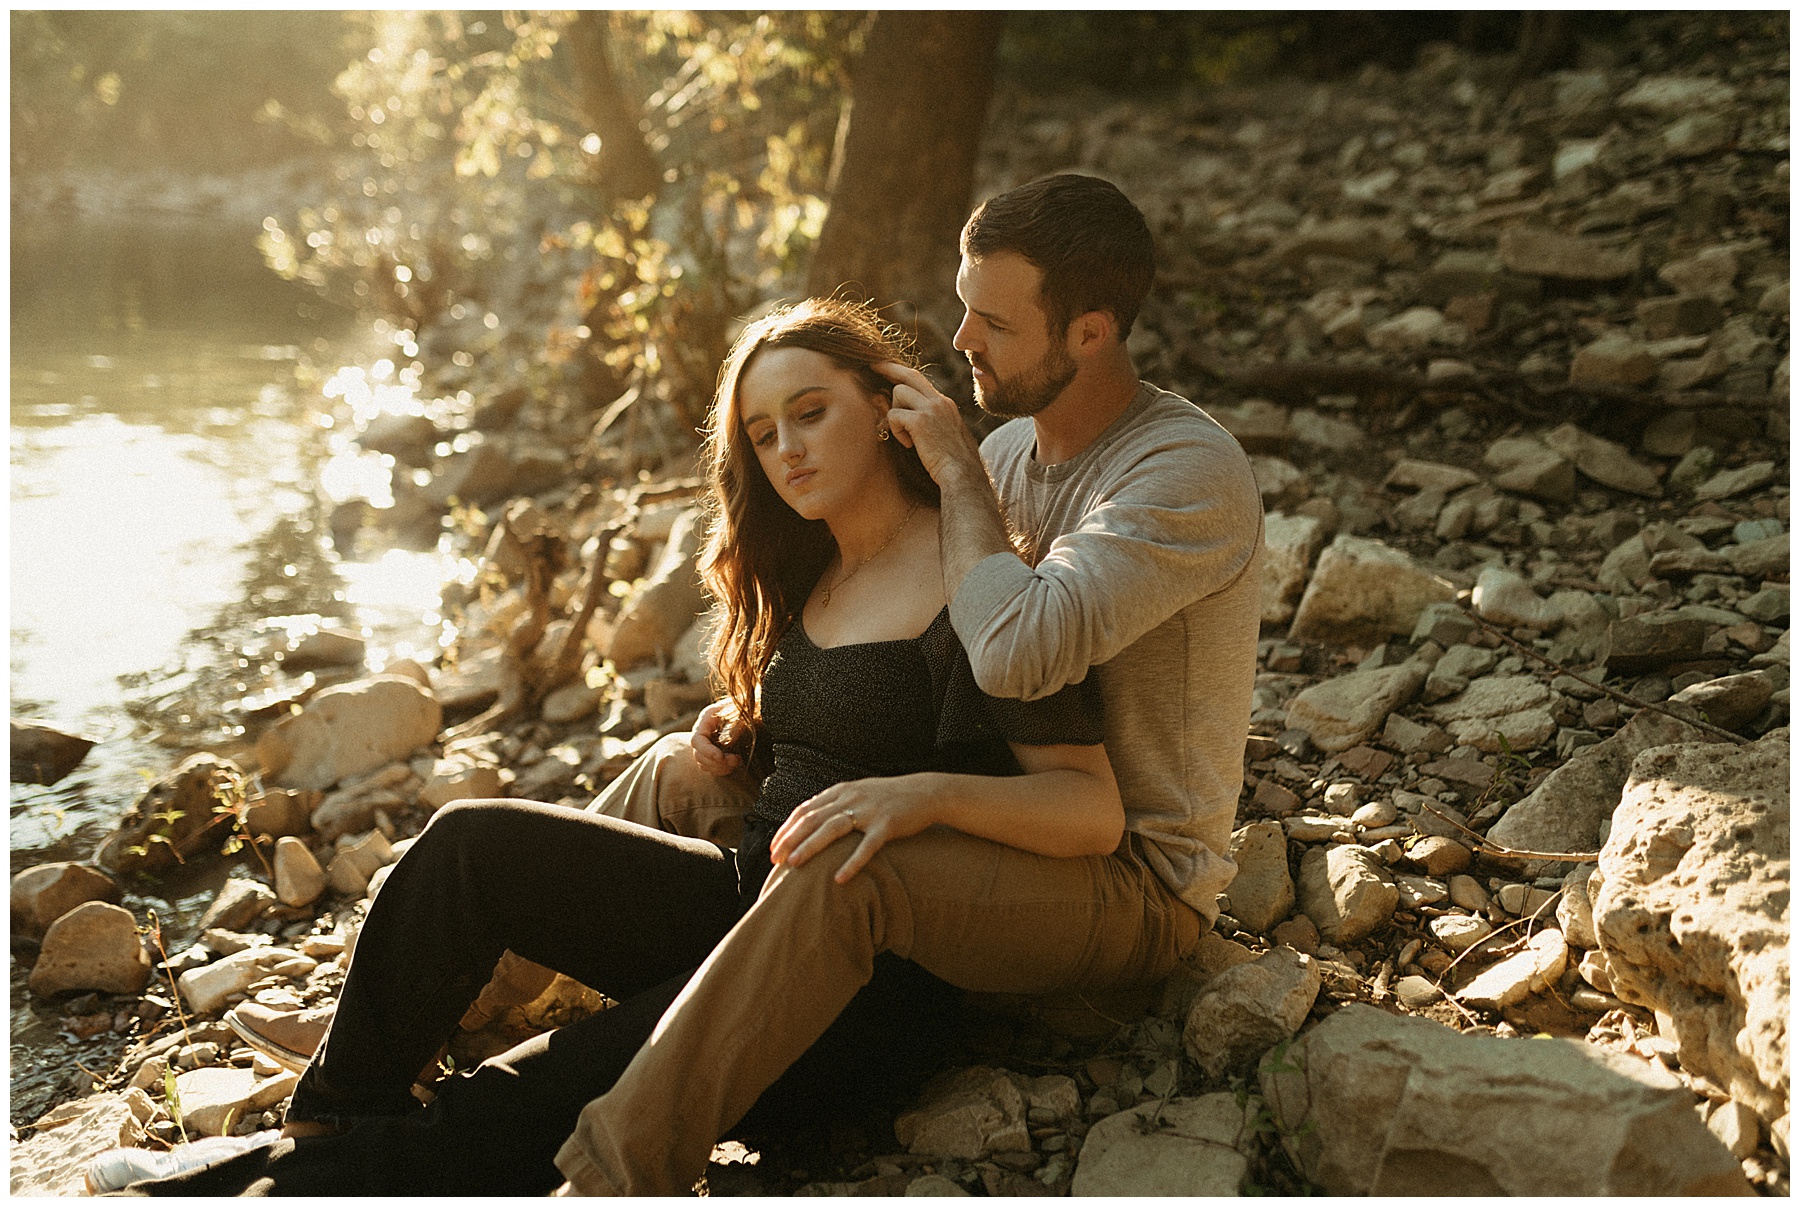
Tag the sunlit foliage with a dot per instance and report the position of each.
(467, 195)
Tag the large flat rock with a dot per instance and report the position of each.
(1371, 1103)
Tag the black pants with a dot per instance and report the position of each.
(629, 911)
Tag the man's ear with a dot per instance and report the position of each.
(1090, 332)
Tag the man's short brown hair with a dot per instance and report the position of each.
(1087, 238)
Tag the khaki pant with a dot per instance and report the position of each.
(663, 789)
(980, 915)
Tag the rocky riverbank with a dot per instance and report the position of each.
(1512, 363)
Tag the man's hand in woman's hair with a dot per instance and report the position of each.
(712, 738)
(881, 809)
(925, 419)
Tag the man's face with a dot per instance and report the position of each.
(1020, 366)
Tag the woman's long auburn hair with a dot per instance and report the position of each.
(761, 558)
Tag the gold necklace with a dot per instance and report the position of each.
(826, 601)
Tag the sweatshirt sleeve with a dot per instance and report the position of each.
(1174, 525)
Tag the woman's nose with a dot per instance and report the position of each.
(789, 447)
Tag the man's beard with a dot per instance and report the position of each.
(1031, 391)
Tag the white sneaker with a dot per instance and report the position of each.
(122, 1167)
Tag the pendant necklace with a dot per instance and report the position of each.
(825, 601)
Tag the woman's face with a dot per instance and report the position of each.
(812, 427)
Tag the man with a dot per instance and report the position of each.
(1142, 527)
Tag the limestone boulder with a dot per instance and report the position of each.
(970, 1114)
(666, 603)
(1692, 909)
(51, 1163)
(42, 755)
(1498, 713)
(213, 1097)
(1363, 589)
(1732, 701)
(42, 894)
(1568, 809)
(1289, 543)
(1262, 892)
(1347, 891)
(1371, 1103)
(177, 816)
(93, 946)
(1346, 711)
(1187, 1146)
(349, 729)
(1248, 1009)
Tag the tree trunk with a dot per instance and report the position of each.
(918, 106)
(625, 167)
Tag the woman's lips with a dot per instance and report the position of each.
(799, 477)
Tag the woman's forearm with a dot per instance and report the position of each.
(1060, 812)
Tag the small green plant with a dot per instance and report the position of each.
(172, 1097)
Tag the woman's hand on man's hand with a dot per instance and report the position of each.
(882, 809)
(713, 736)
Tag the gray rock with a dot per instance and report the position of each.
(1466, 891)
(1322, 431)
(349, 729)
(1281, 483)
(299, 880)
(239, 903)
(970, 1114)
(1613, 360)
(1689, 373)
(211, 1097)
(1507, 598)
(1698, 134)
(1443, 623)
(1647, 643)
(207, 987)
(1346, 711)
(1692, 910)
(54, 1160)
(460, 777)
(1370, 1103)
(1575, 910)
(1537, 252)
(1729, 482)
(1409, 474)
(1584, 631)
(42, 894)
(1289, 543)
(1248, 1009)
(1605, 462)
(1673, 94)
(1364, 589)
(1767, 606)
(42, 755)
(1759, 559)
(1709, 272)
(355, 864)
(1664, 318)
(1346, 891)
(1499, 713)
(1519, 976)
(667, 602)
(1459, 932)
(1731, 702)
(1566, 811)
(1312, 827)
(93, 946)
(1262, 892)
(1527, 466)
(1413, 331)
(1259, 425)
(1439, 854)
(1188, 1146)
(1624, 567)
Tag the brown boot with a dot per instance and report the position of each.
(287, 1037)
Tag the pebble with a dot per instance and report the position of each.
(1459, 932)
(1375, 814)
(1466, 891)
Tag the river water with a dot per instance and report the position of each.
(174, 455)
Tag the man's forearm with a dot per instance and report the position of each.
(971, 527)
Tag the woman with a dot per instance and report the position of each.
(841, 674)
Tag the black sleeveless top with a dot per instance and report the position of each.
(885, 708)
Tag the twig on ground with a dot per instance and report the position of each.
(1488, 847)
(1489, 627)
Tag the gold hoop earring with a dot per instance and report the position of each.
(882, 433)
